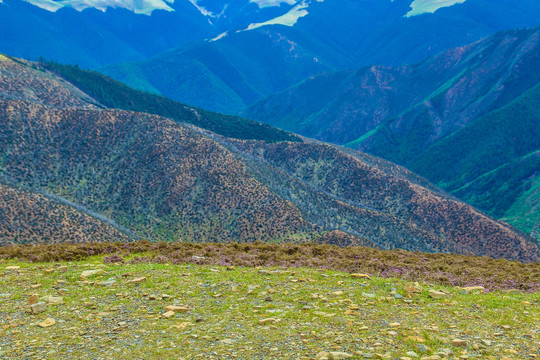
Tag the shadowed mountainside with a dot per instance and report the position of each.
(467, 119)
(164, 180)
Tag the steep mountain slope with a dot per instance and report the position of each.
(239, 67)
(164, 180)
(467, 119)
(111, 93)
(29, 218)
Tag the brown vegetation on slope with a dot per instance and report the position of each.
(163, 180)
(439, 222)
(167, 181)
(27, 218)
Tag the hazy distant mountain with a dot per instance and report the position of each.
(225, 55)
(165, 180)
(239, 67)
(96, 33)
(467, 119)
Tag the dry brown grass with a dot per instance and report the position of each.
(450, 269)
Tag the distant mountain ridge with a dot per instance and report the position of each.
(236, 70)
(468, 119)
(226, 55)
(164, 180)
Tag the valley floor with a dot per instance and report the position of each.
(226, 312)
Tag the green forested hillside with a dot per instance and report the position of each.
(499, 173)
(114, 94)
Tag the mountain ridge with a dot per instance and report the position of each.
(165, 180)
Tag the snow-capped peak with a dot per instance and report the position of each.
(137, 6)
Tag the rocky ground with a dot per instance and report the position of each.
(96, 309)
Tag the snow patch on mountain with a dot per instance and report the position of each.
(270, 3)
(202, 9)
(222, 35)
(430, 6)
(288, 19)
(137, 6)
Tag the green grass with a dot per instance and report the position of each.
(310, 307)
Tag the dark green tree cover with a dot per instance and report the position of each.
(114, 94)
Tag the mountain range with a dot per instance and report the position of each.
(226, 55)
(239, 68)
(147, 176)
(467, 119)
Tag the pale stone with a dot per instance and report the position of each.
(47, 322)
(168, 314)
(360, 276)
(268, 321)
(38, 307)
(437, 294)
(175, 308)
(338, 355)
(459, 342)
(53, 300)
(88, 273)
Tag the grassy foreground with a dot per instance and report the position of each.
(227, 312)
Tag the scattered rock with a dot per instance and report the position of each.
(175, 308)
(108, 282)
(227, 341)
(338, 355)
(437, 294)
(136, 280)
(53, 300)
(88, 273)
(38, 307)
(323, 355)
(412, 289)
(33, 299)
(13, 268)
(360, 276)
(62, 269)
(168, 314)
(459, 343)
(268, 321)
(47, 322)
